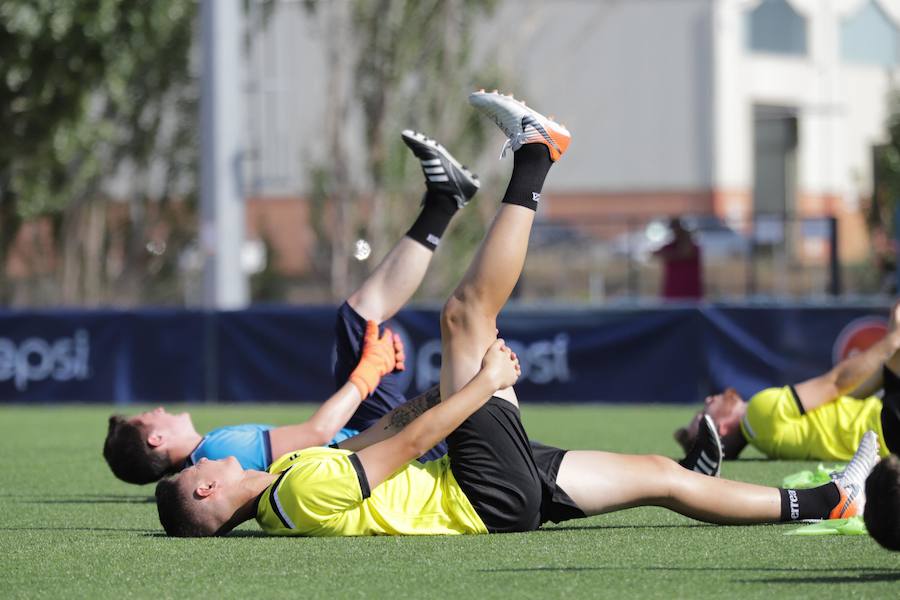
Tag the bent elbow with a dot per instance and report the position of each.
(321, 436)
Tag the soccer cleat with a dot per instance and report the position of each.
(522, 125)
(706, 454)
(851, 482)
(443, 173)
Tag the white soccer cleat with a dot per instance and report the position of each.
(522, 125)
(851, 482)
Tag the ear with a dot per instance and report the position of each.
(155, 440)
(206, 490)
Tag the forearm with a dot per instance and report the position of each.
(321, 427)
(336, 411)
(849, 374)
(869, 387)
(394, 421)
(854, 371)
(442, 419)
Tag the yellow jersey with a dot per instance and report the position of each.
(776, 425)
(325, 492)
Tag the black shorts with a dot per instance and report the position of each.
(510, 481)
(890, 411)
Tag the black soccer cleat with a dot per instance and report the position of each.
(706, 455)
(443, 173)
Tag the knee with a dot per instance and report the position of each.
(462, 314)
(453, 314)
(668, 474)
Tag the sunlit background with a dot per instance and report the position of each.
(771, 126)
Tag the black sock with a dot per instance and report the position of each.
(437, 210)
(815, 503)
(531, 163)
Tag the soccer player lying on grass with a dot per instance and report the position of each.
(145, 447)
(818, 419)
(491, 480)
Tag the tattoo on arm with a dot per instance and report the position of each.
(405, 414)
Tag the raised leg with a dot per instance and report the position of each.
(393, 282)
(468, 321)
(449, 187)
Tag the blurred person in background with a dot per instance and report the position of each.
(682, 265)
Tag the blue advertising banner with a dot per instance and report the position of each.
(102, 356)
(677, 354)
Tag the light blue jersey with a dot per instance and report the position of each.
(249, 444)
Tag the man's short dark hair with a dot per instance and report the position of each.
(176, 514)
(882, 512)
(130, 456)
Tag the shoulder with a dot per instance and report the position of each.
(768, 410)
(238, 429)
(769, 398)
(321, 480)
(301, 460)
(248, 443)
(233, 432)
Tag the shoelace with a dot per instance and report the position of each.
(513, 143)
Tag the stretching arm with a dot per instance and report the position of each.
(394, 421)
(847, 374)
(380, 356)
(321, 426)
(869, 387)
(500, 369)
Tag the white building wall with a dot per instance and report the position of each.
(865, 120)
(632, 80)
(659, 94)
(841, 106)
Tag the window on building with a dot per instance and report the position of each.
(870, 37)
(774, 26)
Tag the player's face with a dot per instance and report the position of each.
(726, 409)
(159, 419)
(224, 471)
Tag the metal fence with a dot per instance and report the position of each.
(765, 257)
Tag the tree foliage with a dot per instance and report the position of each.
(886, 192)
(88, 87)
(396, 64)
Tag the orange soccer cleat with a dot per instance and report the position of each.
(851, 482)
(521, 124)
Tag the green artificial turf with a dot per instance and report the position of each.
(69, 529)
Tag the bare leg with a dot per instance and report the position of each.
(399, 275)
(468, 322)
(601, 482)
(393, 282)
